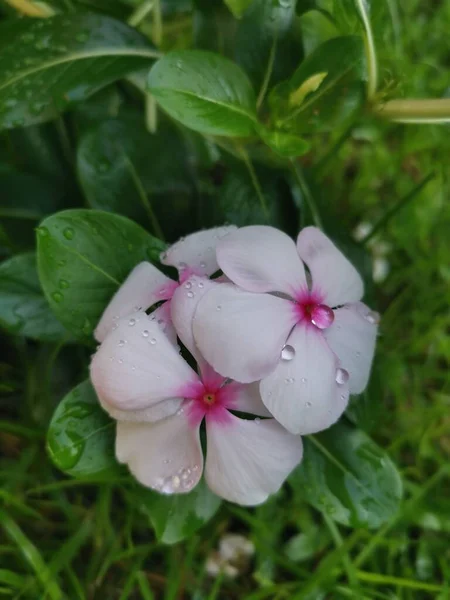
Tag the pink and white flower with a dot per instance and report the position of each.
(146, 285)
(306, 336)
(160, 403)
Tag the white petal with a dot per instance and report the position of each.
(162, 316)
(183, 306)
(161, 410)
(262, 259)
(302, 393)
(248, 399)
(165, 455)
(246, 461)
(352, 338)
(241, 334)
(332, 273)
(143, 287)
(137, 366)
(196, 252)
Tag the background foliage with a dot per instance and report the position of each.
(126, 124)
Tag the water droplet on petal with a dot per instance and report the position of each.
(122, 343)
(218, 307)
(308, 404)
(190, 294)
(257, 421)
(201, 284)
(288, 353)
(145, 333)
(132, 322)
(373, 317)
(304, 380)
(182, 266)
(188, 285)
(322, 316)
(203, 265)
(153, 341)
(342, 376)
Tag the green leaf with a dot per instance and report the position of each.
(268, 45)
(23, 307)
(47, 65)
(284, 144)
(205, 92)
(83, 257)
(80, 438)
(175, 518)
(241, 205)
(238, 7)
(326, 89)
(125, 169)
(347, 476)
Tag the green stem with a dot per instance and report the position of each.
(398, 206)
(139, 14)
(267, 74)
(398, 581)
(151, 113)
(346, 562)
(255, 181)
(369, 43)
(426, 110)
(319, 167)
(300, 178)
(157, 23)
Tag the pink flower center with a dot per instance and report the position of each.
(309, 308)
(209, 400)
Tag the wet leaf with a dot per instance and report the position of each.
(177, 517)
(83, 257)
(47, 65)
(23, 307)
(80, 438)
(347, 476)
(205, 92)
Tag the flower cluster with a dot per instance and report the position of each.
(272, 348)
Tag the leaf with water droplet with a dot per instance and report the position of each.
(80, 438)
(178, 516)
(93, 266)
(23, 307)
(347, 475)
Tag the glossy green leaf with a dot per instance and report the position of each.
(46, 65)
(238, 7)
(214, 27)
(80, 438)
(241, 204)
(284, 144)
(23, 307)
(325, 90)
(177, 517)
(125, 169)
(83, 257)
(205, 92)
(268, 45)
(347, 476)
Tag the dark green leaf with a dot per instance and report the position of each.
(83, 257)
(125, 169)
(214, 27)
(175, 518)
(307, 544)
(238, 7)
(284, 144)
(80, 438)
(205, 92)
(23, 307)
(348, 477)
(365, 410)
(325, 90)
(267, 41)
(46, 65)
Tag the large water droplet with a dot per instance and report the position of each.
(322, 316)
(68, 233)
(288, 353)
(373, 317)
(342, 376)
(145, 333)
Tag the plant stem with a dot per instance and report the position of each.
(151, 114)
(371, 55)
(255, 181)
(267, 74)
(157, 23)
(427, 110)
(300, 178)
(30, 9)
(139, 14)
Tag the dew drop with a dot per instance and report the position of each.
(322, 316)
(190, 294)
(63, 284)
(288, 353)
(342, 376)
(188, 285)
(166, 461)
(132, 322)
(201, 284)
(304, 380)
(122, 343)
(308, 404)
(68, 233)
(218, 307)
(257, 421)
(182, 266)
(57, 297)
(373, 317)
(145, 333)
(42, 231)
(203, 265)
(153, 341)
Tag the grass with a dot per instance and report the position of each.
(63, 538)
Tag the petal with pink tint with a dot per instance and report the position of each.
(143, 287)
(302, 392)
(241, 334)
(246, 397)
(137, 366)
(183, 306)
(352, 338)
(261, 259)
(162, 317)
(196, 252)
(165, 456)
(333, 275)
(246, 461)
(161, 410)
